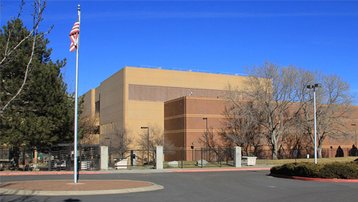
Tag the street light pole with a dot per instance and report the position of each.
(355, 133)
(206, 123)
(315, 126)
(314, 86)
(147, 141)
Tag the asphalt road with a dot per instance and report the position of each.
(214, 186)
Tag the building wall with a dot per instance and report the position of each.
(134, 97)
(186, 117)
(148, 89)
(89, 104)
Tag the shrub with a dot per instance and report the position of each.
(286, 169)
(340, 170)
(307, 170)
(332, 170)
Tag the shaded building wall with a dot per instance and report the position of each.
(89, 104)
(187, 118)
(174, 127)
(111, 110)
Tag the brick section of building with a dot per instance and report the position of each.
(185, 122)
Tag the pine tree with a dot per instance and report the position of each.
(42, 113)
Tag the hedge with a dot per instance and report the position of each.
(339, 170)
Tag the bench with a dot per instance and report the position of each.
(249, 160)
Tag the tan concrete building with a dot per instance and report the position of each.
(134, 97)
(183, 104)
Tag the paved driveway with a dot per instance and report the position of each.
(214, 186)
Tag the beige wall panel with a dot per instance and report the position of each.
(186, 79)
(144, 114)
(111, 100)
(89, 103)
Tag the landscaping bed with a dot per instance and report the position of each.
(338, 170)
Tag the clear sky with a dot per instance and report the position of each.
(216, 36)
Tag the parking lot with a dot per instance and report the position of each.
(208, 186)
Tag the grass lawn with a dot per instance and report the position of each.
(265, 162)
(320, 160)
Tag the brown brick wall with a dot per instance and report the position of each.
(193, 109)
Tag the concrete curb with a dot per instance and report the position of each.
(39, 173)
(30, 173)
(325, 179)
(199, 170)
(330, 180)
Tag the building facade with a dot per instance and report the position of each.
(187, 118)
(134, 97)
(181, 104)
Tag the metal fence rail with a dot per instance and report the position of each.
(60, 157)
(199, 157)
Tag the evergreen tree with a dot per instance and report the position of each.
(42, 113)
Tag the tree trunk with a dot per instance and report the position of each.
(319, 151)
(16, 156)
(274, 152)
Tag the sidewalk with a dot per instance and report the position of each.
(168, 170)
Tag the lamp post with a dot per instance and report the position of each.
(206, 123)
(147, 141)
(355, 133)
(192, 151)
(313, 87)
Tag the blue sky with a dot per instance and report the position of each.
(209, 36)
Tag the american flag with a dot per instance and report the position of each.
(74, 36)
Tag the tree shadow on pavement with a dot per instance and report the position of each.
(71, 200)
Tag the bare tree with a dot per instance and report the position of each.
(88, 128)
(301, 128)
(242, 126)
(333, 106)
(209, 140)
(271, 91)
(120, 142)
(283, 108)
(155, 138)
(11, 46)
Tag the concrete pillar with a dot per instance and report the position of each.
(159, 157)
(104, 158)
(237, 157)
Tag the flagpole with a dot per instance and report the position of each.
(75, 175)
